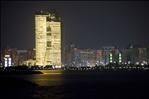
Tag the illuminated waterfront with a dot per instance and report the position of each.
(74, 50)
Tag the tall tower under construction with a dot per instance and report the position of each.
(48, 38)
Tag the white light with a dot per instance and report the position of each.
(7, 55)
(9, 64)
(120, 55)
(9, 59)
(145, 62)
(137, 63)
(57, 66)
(128, 62)
(5, 58)
(5, 63)
(110, 55)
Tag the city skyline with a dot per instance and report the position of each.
(85, 24)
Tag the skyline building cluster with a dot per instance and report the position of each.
(49, 47)
(17, 57)
(107, 55)
(77, 57)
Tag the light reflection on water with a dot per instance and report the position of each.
(44, 79)
(63, 85)
(58, 77)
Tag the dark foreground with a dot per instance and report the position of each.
(76, 85)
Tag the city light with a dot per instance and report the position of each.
(110, 57)
(7, 61)
(48, 49)
(137, 63)
(80, 50)
(120, 57)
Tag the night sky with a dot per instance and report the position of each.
(85, 24)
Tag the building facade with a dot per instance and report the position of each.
(108, 54)
(47, 39)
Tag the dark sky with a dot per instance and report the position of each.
(86, 24)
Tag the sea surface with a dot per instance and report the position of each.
(59, 84)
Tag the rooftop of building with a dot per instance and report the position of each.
(52, 13)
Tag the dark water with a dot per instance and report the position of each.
(76, 85)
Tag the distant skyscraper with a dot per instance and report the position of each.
(48, 38)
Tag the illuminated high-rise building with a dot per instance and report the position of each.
(48, 38)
